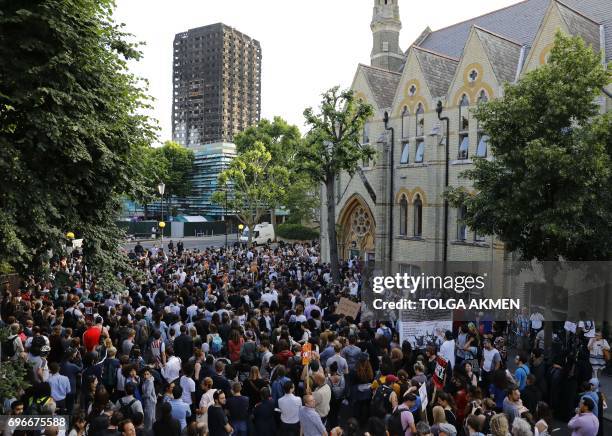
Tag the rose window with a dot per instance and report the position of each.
(360, 222)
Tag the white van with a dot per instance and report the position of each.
(264, 234)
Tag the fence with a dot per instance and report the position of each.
(142, 229)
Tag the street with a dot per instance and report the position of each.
(189, 243)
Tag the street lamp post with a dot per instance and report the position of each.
(162, 188)
(225, 217)
(240, 227)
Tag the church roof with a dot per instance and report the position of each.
(437, 69)
(581, 25)
(520, 23)
(502, 53)
(382, 83)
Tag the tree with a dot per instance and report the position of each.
(179, 166)
(546, 194)
(69, 127)
(283, 141)
(255, 184)
(13, 373)
(333, 145)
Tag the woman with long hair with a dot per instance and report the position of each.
(448, 404)
(79, 424)
(88, 392)
(360, 390)
(252, 386)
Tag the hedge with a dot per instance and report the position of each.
(296, 232)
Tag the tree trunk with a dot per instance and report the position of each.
(331, 229)
(273, 216)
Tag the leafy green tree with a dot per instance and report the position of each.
(283, 141)
(546, 194)
(255, 184)
(333, 145)
(13, 374)
(179, 167)
(69, 126)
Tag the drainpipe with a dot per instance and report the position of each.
(392, 175)
(441, 118)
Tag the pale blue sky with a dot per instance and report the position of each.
(307, 46)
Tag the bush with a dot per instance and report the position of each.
(296, 232)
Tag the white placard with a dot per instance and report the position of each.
(423, 395)
(422, 333)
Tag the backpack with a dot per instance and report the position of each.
(70, 319)
(142, 333)
(216, 344)
(8, 347)
(109, 374)
(380, 404)
(126, 409)
(395, 422)
(35, 407)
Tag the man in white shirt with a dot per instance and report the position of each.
(447, 349)
(289, 406)
(60, 386)
(172, 368)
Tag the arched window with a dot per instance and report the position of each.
(366, 134)
(420, 120)
(483, 140)
(403, 216)
(418, 216)
(464, 125)
(405, 157)
(405, 115)
(482, 96)
(461, 226)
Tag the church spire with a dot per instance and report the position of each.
(386, 26)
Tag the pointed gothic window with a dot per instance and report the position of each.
(405, 115)
(418, 216)
(464, 125)
(420, 120)
(403, 216)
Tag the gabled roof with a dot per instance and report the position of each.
(579, 24)
(437, 69)
(599, 11)
(382, 83)
(502, 53)
(518, 22)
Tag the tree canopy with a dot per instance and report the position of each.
(70, 126)
(546, 193)
(332, 145)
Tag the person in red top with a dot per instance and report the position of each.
(91, 337)
(460, 397)
(234, 345)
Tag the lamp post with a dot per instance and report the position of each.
(441, 118)
(225, 217)
(161, 187)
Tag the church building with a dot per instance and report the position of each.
(392, 207)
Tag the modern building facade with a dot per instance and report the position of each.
(216, 84)
(392, 208)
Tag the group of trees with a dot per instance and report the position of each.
(73, 142)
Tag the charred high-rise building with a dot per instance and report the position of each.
(216, 84)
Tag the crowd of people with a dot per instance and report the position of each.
(248, 342)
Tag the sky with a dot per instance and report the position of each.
(307, 46)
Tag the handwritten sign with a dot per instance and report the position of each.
(348, 308)
(423, 395)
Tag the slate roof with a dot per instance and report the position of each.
(520, 22)
(581, 25)
(503, 54)
(382, 83)
(437, 69)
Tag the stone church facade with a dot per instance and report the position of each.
(392, 208)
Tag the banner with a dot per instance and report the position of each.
(420, 334)
(440, 372)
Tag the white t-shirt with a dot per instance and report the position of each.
(189, 387)
(490, 359)
(536, 319)
(447, 350)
